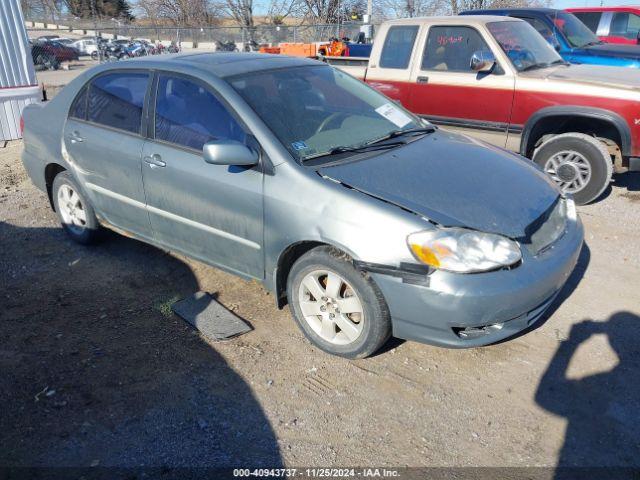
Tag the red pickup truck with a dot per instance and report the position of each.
(497, 79)
(612, 24)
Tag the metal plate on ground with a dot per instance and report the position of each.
(212, 320)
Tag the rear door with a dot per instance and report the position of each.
(210, 212)
(448, 92)
(391, 74)
(103, 142)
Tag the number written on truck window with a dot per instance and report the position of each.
(398, 45)
(450, 49)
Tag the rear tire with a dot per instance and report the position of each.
(579, 164)
(74, 210)
(338, 308)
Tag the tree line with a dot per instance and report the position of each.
(190, 13)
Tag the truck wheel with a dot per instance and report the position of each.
(338, 308)
(578, 163)
(74, 210)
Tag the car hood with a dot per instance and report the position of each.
(611, 50)
(611, 77)
(454, 181)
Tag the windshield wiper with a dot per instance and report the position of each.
(535, 66)
(401, 133)
(360, 149)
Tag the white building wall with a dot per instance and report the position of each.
(18, 84)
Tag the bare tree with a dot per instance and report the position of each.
(240, 10)
(331, 11)
(410, 8)
(281, 9)
(184, 13)
(42, 9)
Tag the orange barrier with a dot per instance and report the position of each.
(299, 49)
(275, 50)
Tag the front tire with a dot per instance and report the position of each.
(339, 309)
(579, 164)
(74, 210)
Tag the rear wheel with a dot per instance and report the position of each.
(338, 308)
(580, 164)
(74, 210)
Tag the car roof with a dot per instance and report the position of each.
(221, 64)
(621, 8)
(480, 19)
(505, 11)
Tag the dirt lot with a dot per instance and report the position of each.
(96, 370)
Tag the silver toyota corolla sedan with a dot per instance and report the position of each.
(366, 220)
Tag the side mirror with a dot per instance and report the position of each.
(482, 61)
(228, 152)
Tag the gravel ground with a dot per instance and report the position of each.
(98, 371)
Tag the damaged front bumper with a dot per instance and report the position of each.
(470, 310)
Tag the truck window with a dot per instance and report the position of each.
(625, 25)
(398, 45)
(590, 19)
(450, 48)
(542, 29)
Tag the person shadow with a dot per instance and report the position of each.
(99, 373)
(602, 409)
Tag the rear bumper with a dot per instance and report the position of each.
(462, 311)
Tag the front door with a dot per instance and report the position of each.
(210, 212)
(103, 144)
(448, 92)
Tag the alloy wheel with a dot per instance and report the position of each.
(71, 209)
(331, 307)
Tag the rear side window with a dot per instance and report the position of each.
(189, 115)
(450, 49)
(625, 25)
(397, 48)
(79, 105)
(116, 100)
(590, 19)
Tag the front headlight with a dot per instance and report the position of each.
(463, 251)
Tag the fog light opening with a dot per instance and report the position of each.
(469, 333)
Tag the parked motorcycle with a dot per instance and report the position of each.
(229, 46)
(251, 46)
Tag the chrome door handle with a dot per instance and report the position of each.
(155, 160)
(75, 137)
(422, 79)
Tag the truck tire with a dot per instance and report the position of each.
(338, 308)
(579, 164)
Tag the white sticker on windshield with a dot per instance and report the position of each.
(394, 114)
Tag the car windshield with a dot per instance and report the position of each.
(318, 110)
(524, 46)
(577, 33)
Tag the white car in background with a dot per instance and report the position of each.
(86, 46)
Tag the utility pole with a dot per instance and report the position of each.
(367, 28)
